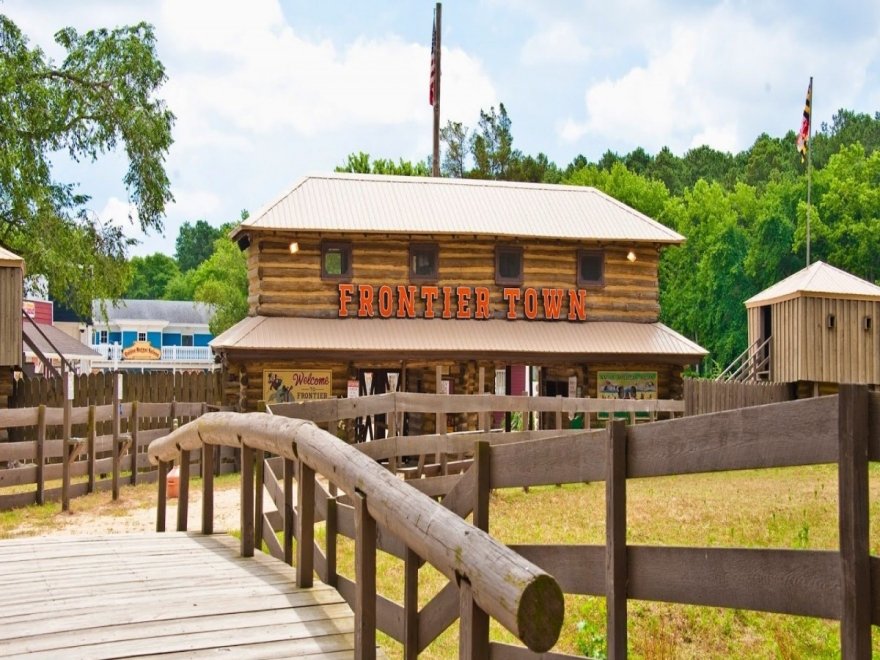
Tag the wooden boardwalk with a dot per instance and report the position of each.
(142, 595)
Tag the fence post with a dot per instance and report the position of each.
(41, 453)
(410, 605)
(183, 492)
(289, 467)
(207, 488)
(474, 627)
(305, 525)
(247, 501)
(615, 538)
(116, 423)
(65, 443)
(260, 465)
(331, 528)
(91, 434)
(365, 578)
(855, 621)
(133, 425)
(162, 499)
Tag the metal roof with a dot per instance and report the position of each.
(369, 203)
(61, 342)
(817, 280)
(411, 337)
(8, 258)
(177, 312)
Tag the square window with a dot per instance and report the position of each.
(102, 337)
(423, 262)
(186, 340)
(591, 268)
(335, 260)
(142, 336)
(508, 265)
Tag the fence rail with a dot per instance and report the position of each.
(842, 585)
(703, 396)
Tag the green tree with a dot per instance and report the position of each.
(362, 164)
(102, 96)
(195, 243)
(492, 145)
(150, 276)
(222, 282)
(455, 136)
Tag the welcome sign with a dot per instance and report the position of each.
(283, 386)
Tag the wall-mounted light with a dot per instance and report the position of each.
(294, 247)
(631, 256)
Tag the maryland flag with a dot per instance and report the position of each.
(803, 137)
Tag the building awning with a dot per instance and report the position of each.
(403, 339)
(62, 343)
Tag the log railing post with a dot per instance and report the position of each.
(65, 444)
(247, 501)
(615, 538)
(365, 577)
(133, 427)
(116, 428)
(162, 499)
(208, 452)
(183, 492)
(474, 626)
(305, 525)
(41, 454)
(91, 437)
(410, 605)
(289, 467)
(855, 622)
(331, 528)
(260, 465)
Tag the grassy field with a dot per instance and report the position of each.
(786, 508)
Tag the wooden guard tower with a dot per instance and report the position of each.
(816, 329)
(11, 291)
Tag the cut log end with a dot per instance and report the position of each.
(540, 614)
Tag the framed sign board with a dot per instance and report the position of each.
(283, 386)
(638, 385)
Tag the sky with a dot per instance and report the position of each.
(268, 91)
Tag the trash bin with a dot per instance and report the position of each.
(172, 483)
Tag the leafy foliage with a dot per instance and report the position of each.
(101, 97)
(195, 244)
(150, 276)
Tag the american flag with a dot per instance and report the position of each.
(433, 64)
(804, 134)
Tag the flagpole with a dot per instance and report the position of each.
(435, 170)
(809, 169)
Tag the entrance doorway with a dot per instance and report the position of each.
(375, 381)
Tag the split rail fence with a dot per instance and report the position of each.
(841, 584)
(91, 438)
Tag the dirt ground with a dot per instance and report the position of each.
(135, 511)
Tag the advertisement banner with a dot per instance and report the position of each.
(626, 385)
(297, 385)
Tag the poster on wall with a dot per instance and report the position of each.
(296, 385)
(626, 385)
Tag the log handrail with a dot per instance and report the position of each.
(519, 595)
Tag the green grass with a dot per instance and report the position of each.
(784, 508)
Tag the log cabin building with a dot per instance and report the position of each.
(366, 284)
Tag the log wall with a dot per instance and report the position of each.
(10, 315)
(282, 284)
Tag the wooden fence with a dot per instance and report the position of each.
(842, 584)
(97, 441)
(703, 396)
(97, 388)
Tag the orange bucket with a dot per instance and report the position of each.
(172, 484)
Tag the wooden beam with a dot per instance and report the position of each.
(615, 538)
(365, 577)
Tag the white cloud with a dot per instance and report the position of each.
(716, 78)
(120, 213)
(557, 44)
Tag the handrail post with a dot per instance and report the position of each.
(473, 639)
(247, 501)
(41, 453)
(410, 605)
(162, 500)
(91, 435)
(207, 488)
(289, 467)
(855, 620)
(305, 525)
(331, 527)
(65, 446)
(615, 538)
(133, 428)
(259, 477)
(365, 577)
(116, 425)
(183, 492)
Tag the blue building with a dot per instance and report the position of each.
(151, 334)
